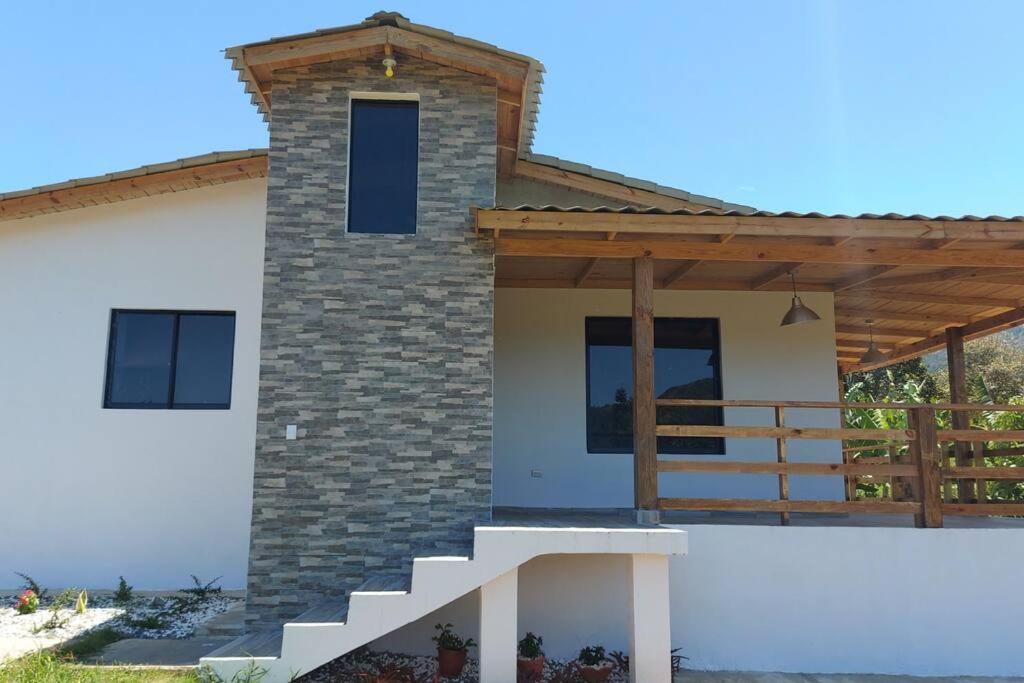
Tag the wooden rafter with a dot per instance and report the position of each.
(863, 276)
(588, 269)
(882, 314)
(894, 296)
(773, 274)
(679, 273)
(898, 332)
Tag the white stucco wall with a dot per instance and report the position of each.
(792, 599)
(540, 394)
(90, 494)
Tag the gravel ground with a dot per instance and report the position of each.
(348, 669)
(142, 618)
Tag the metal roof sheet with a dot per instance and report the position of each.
(635, 183)
(757, 214)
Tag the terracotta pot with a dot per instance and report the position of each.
(450, 662)
(596, 674)
(531, 669)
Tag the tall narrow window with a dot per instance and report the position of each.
(686, 365)
(170, 359)
(383, 152)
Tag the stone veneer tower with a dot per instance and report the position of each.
(378, 347)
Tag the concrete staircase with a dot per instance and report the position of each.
(386, 603)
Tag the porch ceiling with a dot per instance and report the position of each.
(913, 276)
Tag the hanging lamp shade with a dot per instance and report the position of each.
(873, 354)
(798, 312)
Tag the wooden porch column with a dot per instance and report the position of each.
(645, 443)
(961, 419)
(924, 450)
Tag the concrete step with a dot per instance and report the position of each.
(230, 623)
(260, 644)
(328, 611)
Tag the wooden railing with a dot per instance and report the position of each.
(908, 464)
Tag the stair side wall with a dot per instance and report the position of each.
(379, 347)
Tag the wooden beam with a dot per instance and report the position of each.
(943, 276)
(626, 283)
(957, 372)
(730, 431)
(588, 269)
(772, 274)
(679, 273)
(590, 185)
(895, 296)
(898, 332)
(810, 506)
(863, 276)
(764, 226)
(924, 451)
(783, 468)
(645, 444)
(767, 252)
(881, 314)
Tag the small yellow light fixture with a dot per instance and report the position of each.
(389, 62)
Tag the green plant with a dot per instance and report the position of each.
(55, 620)
(194, 595)
(151, 622)
(620, 660)
(123, 594)
(30, 584)
(49, 667)
(28, 603)
(447, 639)
(530, 646)
(592, 656)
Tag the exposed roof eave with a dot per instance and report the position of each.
(181, 174)
(532, 85)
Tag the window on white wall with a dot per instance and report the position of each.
(687, 364)
(383, 162)
(170, 359)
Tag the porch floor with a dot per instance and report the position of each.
(625, 518)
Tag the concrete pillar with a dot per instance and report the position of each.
(650, 636)
(499, 626)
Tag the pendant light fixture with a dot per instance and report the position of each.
(873, 354)
(797, 313)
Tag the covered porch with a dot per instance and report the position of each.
(910, 284)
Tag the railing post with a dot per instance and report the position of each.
(780, 451)
(645, 423)
(960, 419)
(924, 450)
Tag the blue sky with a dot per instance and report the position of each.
(785, 105)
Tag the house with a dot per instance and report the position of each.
(399, 366)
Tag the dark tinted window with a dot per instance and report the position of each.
(686, 365)
(170, 359)
(203, 364)
(384, 145)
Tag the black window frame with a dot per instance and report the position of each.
(169, 404)
(716, 445)
(411, 102)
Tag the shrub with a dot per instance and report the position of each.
(151, 622)
(60, 602)
(195, 595)
(530, 646)
(28, 602)
(592, 656)
(447, 639)
(123, 594)
(30, 584)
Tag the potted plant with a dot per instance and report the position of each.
(530, 664)
(451, 651)
(595, 667)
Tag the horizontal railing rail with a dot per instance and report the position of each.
(912, 465)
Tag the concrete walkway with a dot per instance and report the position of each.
(158, 652)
